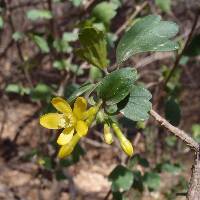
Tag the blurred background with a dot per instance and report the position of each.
(38, 40)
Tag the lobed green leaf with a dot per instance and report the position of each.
(1, 22)
(137, 105)
(146, 35)
(117, 85)
(104, 11)
(121, 178)
(164, 5)
(81, 90)
(152, 180)
(41, 43)
(94, 49)
(36, 14)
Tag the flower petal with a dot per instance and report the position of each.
(80, 107)
(51, 120)
(61, 105)
(81, 128)
(66, 136)
(67, 149)
(90, 112)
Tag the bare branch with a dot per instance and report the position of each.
(176, 131)
(139, 8)
(179, 56)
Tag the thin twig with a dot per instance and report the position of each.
(25, 123)
(51, 21)
(178, 58)
(63, 84)
(152, 58)
(95, 143)
(131, 17)
(26, 4)
(3, 119)
(107, 195)
(176, 131)
(19, 49)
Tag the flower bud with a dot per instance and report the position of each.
(107, 134)
(126, 146)
(124, 142)
(100, 117)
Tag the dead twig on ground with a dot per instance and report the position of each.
(25, 123)
(95, 143)
(18, 46)
(3, 118)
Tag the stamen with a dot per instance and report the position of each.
(62, 123)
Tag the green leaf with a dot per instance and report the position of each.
(36, 14)
(121, 178)
(95, 73)
(146, 35)
(46, 162)
(94, 48)
(172, 111)
(17, 36)
(137, 159)
(104, 12)
(138, 180)
(171, 140)
(70, 89)
(76, 2)
(193, 48)
(60, 64)
(18, 89)
(137, 105)
(118, 196)
(111, 109)
(117, 85)
(164, 5)
(41, 92)
(151, 180)
(81, 90)
(169, 167)
(70, 36)
(196, 132)
(1, 22)
(13, 88)
(41, 43)
(62, 46)
(117, 3)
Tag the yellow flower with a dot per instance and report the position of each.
(68, 119)
(74, 122)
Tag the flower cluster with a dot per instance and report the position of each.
(74, 122)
